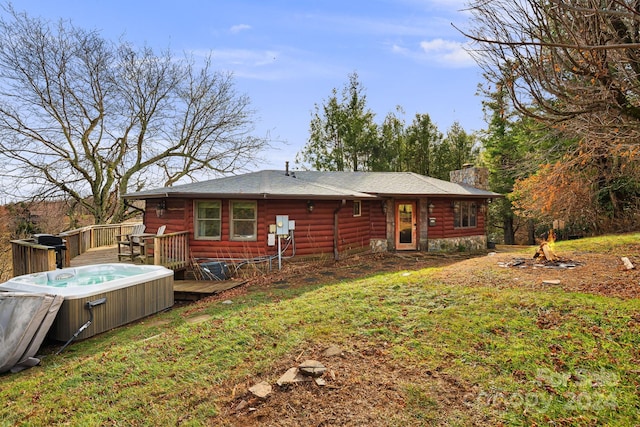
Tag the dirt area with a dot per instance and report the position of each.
(602, 274)
(296, 274)
(595, 273)
(364, 386)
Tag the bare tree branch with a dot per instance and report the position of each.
(562, 62)
(85, 118)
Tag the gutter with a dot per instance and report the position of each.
(336, 237)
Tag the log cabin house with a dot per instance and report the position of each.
(311, 213)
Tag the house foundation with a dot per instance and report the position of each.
(458, 244)
(379, 245)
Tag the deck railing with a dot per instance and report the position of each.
(170, 250)
(80, 240)
(30, 257)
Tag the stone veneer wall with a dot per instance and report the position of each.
(458, 244)
(379, 245)
(471, 176)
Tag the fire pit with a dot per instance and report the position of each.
(559, 263)
(545, 257)
(545, 251)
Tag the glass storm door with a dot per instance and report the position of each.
(406, 226)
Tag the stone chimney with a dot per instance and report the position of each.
(471, 176)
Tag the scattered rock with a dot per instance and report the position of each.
(312, 368)
(551, 282)
(518, 262)
(293, 375)
(261, 390)
(558, 264)
(332, 351)
(320, 381)
(242, 405)
(227, 301)
(198, 319)
(627, 263)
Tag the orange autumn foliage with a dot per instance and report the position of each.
(551, 194)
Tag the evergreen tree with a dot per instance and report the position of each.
(342, 131)
(422, 138)
(386, 153)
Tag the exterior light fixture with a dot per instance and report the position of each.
(310, 206)
(431, 207)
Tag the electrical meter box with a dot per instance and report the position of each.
(282, 225)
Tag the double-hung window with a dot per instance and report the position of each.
(208, 219)
(244, 222)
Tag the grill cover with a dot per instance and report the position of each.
(49, 240)
(54, 242)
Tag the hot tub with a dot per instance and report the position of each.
(131, 292)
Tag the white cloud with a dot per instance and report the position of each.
(246, 57)
(400, 50)
(241, 27)
(270, 64)
(447, 52)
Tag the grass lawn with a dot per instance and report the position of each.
(428, 352)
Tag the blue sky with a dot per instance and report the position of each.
(288, 55)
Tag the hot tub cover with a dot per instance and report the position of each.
(25, 319)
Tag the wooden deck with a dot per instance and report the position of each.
(193, 290)
(184, 290)
(103, 255)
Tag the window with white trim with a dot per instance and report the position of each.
(208, 219)
(243, 222)
(357, 206)
(465, 214)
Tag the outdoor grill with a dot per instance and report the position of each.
(54, 242)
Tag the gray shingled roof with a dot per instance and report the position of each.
(393, 183)
(272, 184)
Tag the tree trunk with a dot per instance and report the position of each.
(531, 232)
(509, 232)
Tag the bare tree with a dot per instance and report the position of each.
(87, 119)
(574, 65)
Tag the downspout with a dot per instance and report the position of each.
(336, 237)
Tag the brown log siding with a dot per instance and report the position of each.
(354, 231)
(314, 232)
(443, 213)
(377, 219)
(173, 217)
